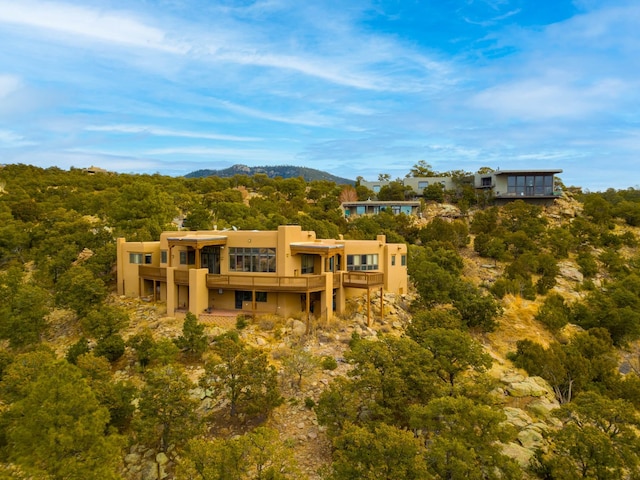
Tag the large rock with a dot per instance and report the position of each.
(530, 438)
(569, 271)
(519, 453)
(542, 407)
(529, 387)
(298, 328)
(517, 417)
(150, 471)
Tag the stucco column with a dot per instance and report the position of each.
(326, 297)
(172, 293)
(198, 291)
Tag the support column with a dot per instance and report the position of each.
(198, 291)
(172, 292)
(308, 312)
(368, 307)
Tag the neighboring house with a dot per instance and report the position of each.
(533, 186)
(285, 272)
(373, 207)
(417, 184)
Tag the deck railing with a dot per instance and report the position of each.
(265, 283)
(153, 273)
(362, 279)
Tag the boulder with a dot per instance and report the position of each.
(150, 471)
(519, 453)
(569, 271)
(530, 438)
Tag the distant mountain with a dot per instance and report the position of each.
(284, 171)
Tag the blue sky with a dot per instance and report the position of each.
(355, 88)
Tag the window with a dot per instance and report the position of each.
(486, 181)
(261, 297)
(362, 262)
(135, 258)
(245, 296)
(422, 185)
(188, 257)
(393, 260)
(307, 264)
(252, 259)
(376, 189)
(403, 260)
(163, 256)
(530, 185)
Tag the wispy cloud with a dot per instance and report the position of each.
(8, 85)
(9, 139)
(97, 24)
(164, 132)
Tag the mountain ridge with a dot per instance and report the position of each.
(272, 171)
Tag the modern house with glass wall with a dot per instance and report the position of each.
(533, 186)
(287, 272)
(536, 186)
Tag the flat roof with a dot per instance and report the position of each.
(511, 172)
(191, 238)
(383, 202)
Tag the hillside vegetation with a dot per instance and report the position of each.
(515, 355)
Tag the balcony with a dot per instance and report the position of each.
(265, 283)
(153, 273)
(181, 277)
(362, 279)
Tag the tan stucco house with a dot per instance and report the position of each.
(284, 272)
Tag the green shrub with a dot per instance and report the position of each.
(111, 347)
(328, 363)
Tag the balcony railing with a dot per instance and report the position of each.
(152, 273)
(267, 283)
(181, 277)
(362, 279)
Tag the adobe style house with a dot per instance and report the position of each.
(285, 272)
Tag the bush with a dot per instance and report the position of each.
(241, 322)
(554, 313)
(112, 348)
(79, 348)
(309, 403)
(328, 363)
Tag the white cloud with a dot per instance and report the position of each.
(309, 119)
(545, 98)
(8, 85)
(111, 27)
(165, 132)
(9, 139)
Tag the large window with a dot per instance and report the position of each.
(307, 263)
(252, 259)
(362, 262)
(530, 185)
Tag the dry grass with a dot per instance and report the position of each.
(517, 323)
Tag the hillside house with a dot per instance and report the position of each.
(284, 272)
(538, 186)
(373, 207)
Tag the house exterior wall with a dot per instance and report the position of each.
(285, 291)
